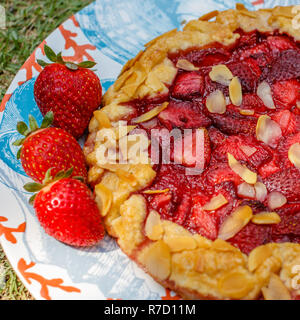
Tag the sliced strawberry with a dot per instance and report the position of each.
(280, 43)
(183, 210)
(251, 236)
(216, 136)
(254, 65)
(268, 169)
(184, 115)
(290, 222)
(220, 172)
(202, 222)
(246, 75)
(234, 123)
(286, 93)
(285, 67)
(188, 85)
(207, 57)
(288, 121)
(252, 101)
(260, 53)
(286, 181)
(245, 149)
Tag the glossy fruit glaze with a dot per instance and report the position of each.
(254, 58)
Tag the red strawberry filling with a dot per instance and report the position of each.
(256, 58)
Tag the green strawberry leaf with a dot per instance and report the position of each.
(50, 54)
(71, 66)
(48, 177)
(48, 119)
(19, 153)
(42, 63)
(69, 172)
(32, 198)
(59, 175)
(87, 64)
(32, 123)
(33, 187)
(59, 58)
(22, 128)
(78, 178)
(18, 142)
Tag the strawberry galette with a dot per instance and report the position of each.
(231, 228)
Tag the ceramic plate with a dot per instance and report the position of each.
(109, 32)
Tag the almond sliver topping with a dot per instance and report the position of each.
(246, 112)
(266, 218)
(153, 226)
(276, 290)
(216, 102)
(235, 91)
(215, 203)
(294, 154)
(268, 131)
(186, 65)
(234, 223)
(246, 190)
(102, 119)
(260, 191)
(151, 114)
(221, 74)
(265, 94)
(241, 170)
(156, 191)
(104, 198)
(276, 200)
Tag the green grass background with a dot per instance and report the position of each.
(28, 23)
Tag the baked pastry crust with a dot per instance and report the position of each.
(190, 264)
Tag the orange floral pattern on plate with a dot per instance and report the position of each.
(45, 283)
(8, 232)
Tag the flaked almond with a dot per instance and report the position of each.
(247, 112)
(234, 223)
(257, 256)
(268, 131)
(216, 102)
(151, 114)
(156, 191)
(260, 191)
(246, 190)
(241, 170)
(104, 199)
(156, 258)
(235, 284)
(153, 226)
(294, 154)
(249, 151)
(266, 218)
(185, 65)
(298, 104)
(235, 91)
(102, 119)
(265, 93)
(215, 203)
(276, 290)
(276, 200)
(221, 74)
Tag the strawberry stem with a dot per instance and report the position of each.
(57, 58)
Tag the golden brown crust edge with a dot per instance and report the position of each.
(189, 264)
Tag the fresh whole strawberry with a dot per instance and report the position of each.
(71, 91)
(48, 147)
(66, 210)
